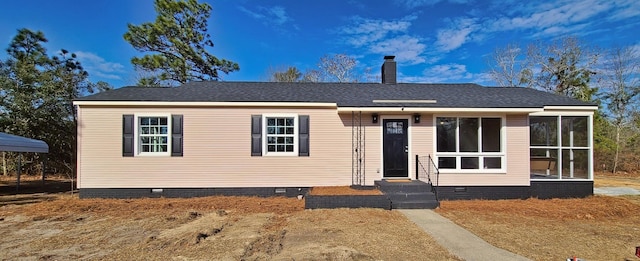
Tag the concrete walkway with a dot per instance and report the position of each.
(456, 239)
(616, 191)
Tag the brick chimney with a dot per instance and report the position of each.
(389, 70)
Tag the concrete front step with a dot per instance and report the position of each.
(411, 196)
(417, 204)
(403, 187)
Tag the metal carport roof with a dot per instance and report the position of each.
(15, 143)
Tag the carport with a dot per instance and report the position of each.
(14, 143)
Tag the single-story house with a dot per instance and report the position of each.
(270, 138)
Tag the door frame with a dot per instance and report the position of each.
(381, 119)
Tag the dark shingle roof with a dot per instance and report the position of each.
(344, 94)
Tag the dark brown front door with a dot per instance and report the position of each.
(395, 147)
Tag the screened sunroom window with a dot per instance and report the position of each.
(560, 147)
(469, 143)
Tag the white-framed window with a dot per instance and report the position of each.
(153, 134)
(560, 146)
(280, 134)
(470, 144)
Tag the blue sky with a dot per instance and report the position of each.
(433, 40)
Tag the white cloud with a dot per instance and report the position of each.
(385, 37)
(251, 13)
(626, 9)
(407, 49)
(364, 31)
(419, 3)
(268, 15)
(555, 18)
(457, 34)
(447, 73)
(98, 66)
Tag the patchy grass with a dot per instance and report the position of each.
(594, 228)
(343, 190)
(631, 180)
(209, 228)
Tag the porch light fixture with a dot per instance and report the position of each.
(374, 118)
(416, 118)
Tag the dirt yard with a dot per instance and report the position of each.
(211, 228)
(631, 180)
(595, 228)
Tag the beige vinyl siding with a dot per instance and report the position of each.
(517, 160)
(421, 141)
(372, 145)
(217, 151)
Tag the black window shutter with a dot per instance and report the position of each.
(176, 135)
(127, 135)
(256, 135)
(303, 135)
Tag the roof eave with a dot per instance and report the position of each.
(203, 104)
(438, 109)
(571, 108)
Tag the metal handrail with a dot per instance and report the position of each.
(431, 168)
(435, 188)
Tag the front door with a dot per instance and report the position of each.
(395, 147)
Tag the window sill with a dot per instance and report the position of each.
(154, 154)
(477, 171)
(281, 154)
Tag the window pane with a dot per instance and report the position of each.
(574, 127)
(395, 127)
(163, 148)
(446, 132)
(579, 162)
(146, 148)
(163, 121)
(164, 130)
(447, 162)
(280, 134)
(468, 135)
(543, 131)
(544, 161)
(469, 163)
(491, 134)
(144, 139)
(492, 162)
(153, 121)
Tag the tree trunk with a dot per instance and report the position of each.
(616, 157)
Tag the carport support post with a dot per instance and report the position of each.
(44, 167)
(19, 172)
(4, 163)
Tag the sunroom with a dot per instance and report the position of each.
(561, 146)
